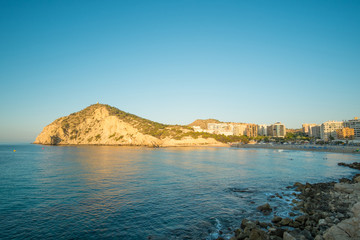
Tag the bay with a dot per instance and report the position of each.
(107, 192)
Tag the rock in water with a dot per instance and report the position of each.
(265, 209)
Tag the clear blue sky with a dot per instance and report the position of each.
(176, 61)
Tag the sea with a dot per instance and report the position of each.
(111, 192)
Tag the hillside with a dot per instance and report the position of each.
(101, 124)
(203, 122)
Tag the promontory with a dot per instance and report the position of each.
(101, 124)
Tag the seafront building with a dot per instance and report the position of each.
(221, 128)
(251, 130)
(314, 131)
(306, 128)
(354, 124)
(345, 133)
(328, 130)
(262, 130)
(276, 130)
(239, 129)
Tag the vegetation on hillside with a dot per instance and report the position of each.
(69, 125)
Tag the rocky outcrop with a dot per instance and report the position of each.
(101, 124)
(330, 211)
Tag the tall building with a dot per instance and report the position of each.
(251, 130)
(328, 130)
(276, 130)
(354, 124)
(314, 131)
(306, 128)
(240, 129)
(345, 133)
(262, 130)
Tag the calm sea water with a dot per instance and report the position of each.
(103, 192)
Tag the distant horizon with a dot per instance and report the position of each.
(177, 61)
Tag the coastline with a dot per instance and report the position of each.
(329, 211)
(308, 147)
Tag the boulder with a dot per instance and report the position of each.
(265, 209)
(257, 234)
(288, 236)
(276, 219)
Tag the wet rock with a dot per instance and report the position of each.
(357, 179)
(291, 214)
(265, 209)
(288, 236)
(322, 222)
(243, 223)
(301, 219)
(257, 234)
(276, 232)
(276, 219)
(354, 165)
(285, 221)
(265, 225)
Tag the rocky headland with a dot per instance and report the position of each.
(101, 124)
(329, 211)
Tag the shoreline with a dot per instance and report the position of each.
(330, 211)
(133, 145)
(311, 148)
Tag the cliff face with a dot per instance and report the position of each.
(101, 124)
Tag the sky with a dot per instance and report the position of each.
(176, 61)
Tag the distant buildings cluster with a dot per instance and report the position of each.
(332, 130)
(248, 129)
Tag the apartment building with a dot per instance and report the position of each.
(345, 133)
(276, 130)
(328, 129)
(314, 131)
(306, 128)
(240, 129)
(354, 124)
(251, 130)
(221, 128)
(262, 130)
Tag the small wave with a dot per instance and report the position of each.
(216, 233)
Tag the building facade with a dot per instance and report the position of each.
(221, 128)
(262, 130)
(251, 130)
(354, 124)
(345, 133)
(306, 128)
(328, 130)
(315, 131)
(276, 130)
(240, 129)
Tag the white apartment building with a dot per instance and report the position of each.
(262, 130)
(354, 124)
(328, 129)
(221, 128)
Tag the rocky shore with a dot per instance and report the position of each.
(329, 211)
